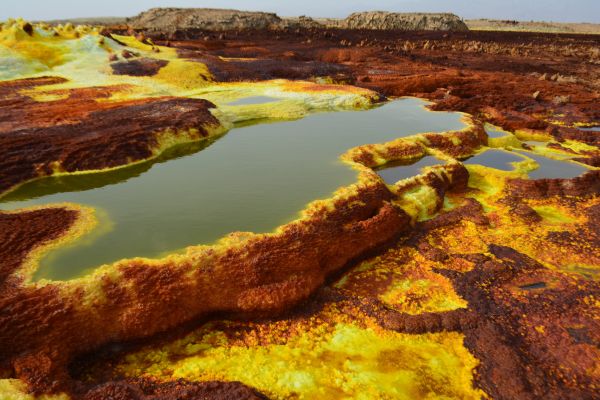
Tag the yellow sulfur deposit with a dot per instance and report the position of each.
(328, 357)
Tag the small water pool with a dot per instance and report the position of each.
(254, 179)
(533, 286)
(535, 143)
(497, 159)
(495, 132)
(394, 172)
(550, 168)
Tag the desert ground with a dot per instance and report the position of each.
(475, 276)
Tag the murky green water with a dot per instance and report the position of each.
(254, 178)
(396, 171)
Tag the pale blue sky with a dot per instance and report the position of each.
(547, 10)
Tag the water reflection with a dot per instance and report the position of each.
(493, 158)
(254, 178)
(495, 132)
(394, 172)
(550, 168)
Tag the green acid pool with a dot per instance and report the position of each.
(254, 178)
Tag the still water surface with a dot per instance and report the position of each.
(548, 168)
(497, 159)
(254, 178)
(398, 171)
(591, 129)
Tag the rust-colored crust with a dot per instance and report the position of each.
(138, 67)
(24, 231)
(534, 330)
(264, 275)
(144, 389)
(79, 133)
(585, 185)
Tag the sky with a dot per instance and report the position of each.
(524, 10)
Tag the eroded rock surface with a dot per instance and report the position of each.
(79, 133)
(382, 20)
(203, 18)
(181, 19)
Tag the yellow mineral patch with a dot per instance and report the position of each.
(134, 43)
(578, 147)
(50, 56)
(508, 140)
(46, 96)
(530, 134)
(553, 215)
(419, 202)
(81, 55)
(550, 152)
(404, 280)
(491, 181)
(298, 86)
(14, 389)
(433, 294)
(507, 229)
(184, 74)
(318, 360)
(169, 138)
(47, 48)
(468, 239)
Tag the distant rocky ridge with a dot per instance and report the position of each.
(171, 19)
(168, 19)
(533, 26)
(383, 20)
(209, 19)
(94, 21)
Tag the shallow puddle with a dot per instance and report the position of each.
(396, 171)
(254, 178)
(592, 129)
(497, 159)
(550, 168)
(535, 143)
(254, 100)
(534, 286)
(495, 132)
